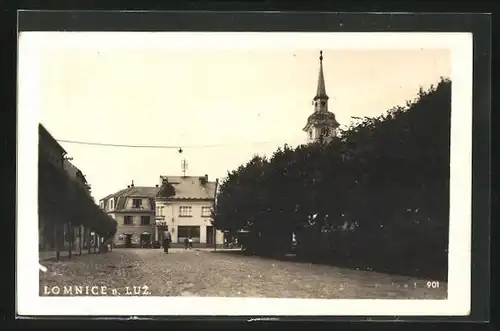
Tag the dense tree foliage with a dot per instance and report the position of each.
(377, 197)
(167, 190)
(64, 200)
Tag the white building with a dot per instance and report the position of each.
(187, 214)
(321, 124)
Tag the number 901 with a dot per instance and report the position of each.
(433, 284)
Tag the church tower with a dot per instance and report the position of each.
(321, 124)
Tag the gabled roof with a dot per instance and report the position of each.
(134, 191)
(131, 192)
(191, 187)
(112, 195)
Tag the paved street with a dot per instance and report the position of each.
(205, 273)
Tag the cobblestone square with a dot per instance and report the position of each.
(222, 274)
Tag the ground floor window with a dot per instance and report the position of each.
(188, 232)
(145, 220)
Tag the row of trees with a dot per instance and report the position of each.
(377, 197)
(64, 200)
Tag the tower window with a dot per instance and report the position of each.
(310, 134)
(323, 103)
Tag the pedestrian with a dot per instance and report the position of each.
(186, 243)
(190, 243)
(166, 241)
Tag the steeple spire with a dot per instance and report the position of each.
(321, 124)
(321, 92)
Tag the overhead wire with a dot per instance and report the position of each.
(157, 146)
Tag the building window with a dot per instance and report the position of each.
(159, 210)
(206, 211)
(111, 204)
(184, 232)
(101, 204)
(127, 220)
(136, 203)
(145, 220)
(185, 211)
(310, 134)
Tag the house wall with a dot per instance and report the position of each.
(135, 229)
(145, 203)
(172, 216)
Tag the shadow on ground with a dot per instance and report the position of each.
(425, 273)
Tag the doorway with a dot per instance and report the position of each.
(210, 235)
(145, 239)
(128, 240)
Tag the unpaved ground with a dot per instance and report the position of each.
(205, 273)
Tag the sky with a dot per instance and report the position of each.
(221, 105)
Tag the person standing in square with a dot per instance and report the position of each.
(166, 241)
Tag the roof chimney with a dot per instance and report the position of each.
(128, 186)
(157, 185)
(206, 177)
(132, 185)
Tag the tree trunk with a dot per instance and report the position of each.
(70, 240)
(56, 239)
(80, 238)
(88, 240)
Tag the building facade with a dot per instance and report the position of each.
(50, 232)
(69, 219)
(78, 232)
(321, 125)
(188, 212)
(134, 210)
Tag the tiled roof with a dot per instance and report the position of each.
(43, 132)
(113, 195)
(130, 192)
(120, 203)
(141, 191)
(191, 187)
(73, 171)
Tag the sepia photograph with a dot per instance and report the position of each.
(244, 173)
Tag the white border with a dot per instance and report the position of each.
(458, 302)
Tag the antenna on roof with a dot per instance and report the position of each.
(184, 166)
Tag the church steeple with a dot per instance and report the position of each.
(321, 124)
(321, 92)
(320, 101)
